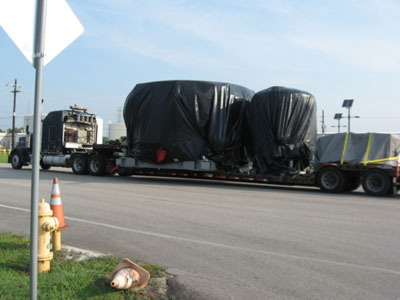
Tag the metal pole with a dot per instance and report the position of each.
(14, 113)
(37, 116)
(338, 126)
(348, 120)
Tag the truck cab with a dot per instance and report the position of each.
(65, 133)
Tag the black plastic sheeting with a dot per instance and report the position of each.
(283, 125)
(187, 120)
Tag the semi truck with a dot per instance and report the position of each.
(69, 140)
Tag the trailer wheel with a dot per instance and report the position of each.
(44, 166)
(376, 183)
(97, 165)
(16, 161)
(331, 180)
(79, 164)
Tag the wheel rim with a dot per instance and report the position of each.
(95, 165)
(78, 163)
(375, 183)
(329, 180)
(15, 160)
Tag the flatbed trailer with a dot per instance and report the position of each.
(376, 179)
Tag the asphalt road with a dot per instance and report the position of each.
(225, 240)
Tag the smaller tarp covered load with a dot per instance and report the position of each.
(283, 127)
(356, 148)
(187, 120)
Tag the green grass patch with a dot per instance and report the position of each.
(68, 278)
(3, 158)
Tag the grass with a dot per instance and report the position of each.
(3, 158)
(68, 278)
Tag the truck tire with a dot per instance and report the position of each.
(376, 183)
(353, 182)
(98, 165)
(16, 161)
(331, 180)
(44, 166)
(79, 164)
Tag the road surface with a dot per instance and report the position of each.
(226, 240)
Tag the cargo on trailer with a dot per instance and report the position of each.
(283, 126)
(177, 120)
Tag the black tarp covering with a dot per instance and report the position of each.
(283, 127)
(186, 120)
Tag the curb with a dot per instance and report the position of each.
(84, 254)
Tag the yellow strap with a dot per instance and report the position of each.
(344, 148)
(368, 149)
(379, 160)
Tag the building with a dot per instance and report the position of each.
(116, 130)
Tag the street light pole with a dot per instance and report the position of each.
(348, 103)
(15, 91)
(348, 120)
(338, 117)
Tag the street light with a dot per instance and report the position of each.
(338, 117)
(348, 103)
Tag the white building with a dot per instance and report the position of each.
(28, 123)
(116, 130)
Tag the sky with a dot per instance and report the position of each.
(335, 50)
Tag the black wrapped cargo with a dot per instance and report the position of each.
(187, 120)
(283, 128)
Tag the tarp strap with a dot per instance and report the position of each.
(344, 148)
(368, 149)
(379, 160)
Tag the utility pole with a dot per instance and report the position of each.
(15, 91)
(323, 127)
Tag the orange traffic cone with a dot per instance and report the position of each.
(56, 205)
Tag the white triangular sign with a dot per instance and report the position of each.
(17, 17)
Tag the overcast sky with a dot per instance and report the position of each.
(333, 49)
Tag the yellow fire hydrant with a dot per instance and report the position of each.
(47, 224)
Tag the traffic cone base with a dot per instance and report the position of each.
(126, 263)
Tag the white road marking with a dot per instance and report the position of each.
(15, 183)
(207, 243)
(15, 208)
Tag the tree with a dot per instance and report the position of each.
(17, 130)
